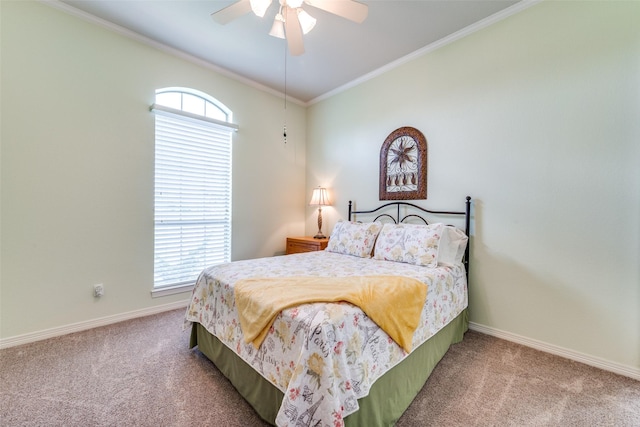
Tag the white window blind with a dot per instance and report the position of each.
(192, 197)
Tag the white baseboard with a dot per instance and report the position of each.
(597, 362)
(617, 368)
(90, 324)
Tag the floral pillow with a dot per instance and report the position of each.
(354, 238)
(409, 243)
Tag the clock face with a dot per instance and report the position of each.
(402, 165)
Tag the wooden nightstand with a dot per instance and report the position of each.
(296, 245)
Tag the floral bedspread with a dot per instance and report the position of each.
(322, 356)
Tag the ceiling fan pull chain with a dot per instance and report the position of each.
(284, 133)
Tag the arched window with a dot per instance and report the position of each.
(192, 186)
(194, 102)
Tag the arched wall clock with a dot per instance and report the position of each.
(403, 165)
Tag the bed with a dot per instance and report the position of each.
(328, 363)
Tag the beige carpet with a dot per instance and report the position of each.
(141, 373)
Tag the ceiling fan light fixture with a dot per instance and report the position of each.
(259, 7)
(294, 4)
(307, 22)
(277, 29)
(292, 22)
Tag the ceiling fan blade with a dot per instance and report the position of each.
(348, 9)
(293, 31)
(231, 12)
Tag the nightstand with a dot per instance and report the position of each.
(297, 245)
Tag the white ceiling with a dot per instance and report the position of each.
(337, 51)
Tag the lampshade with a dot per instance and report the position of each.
(259, 7)
(277, 29)
(320, 197)
(307, 22)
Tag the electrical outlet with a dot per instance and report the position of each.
(98, 290)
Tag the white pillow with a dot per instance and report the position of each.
(452, 246)
(354, 238)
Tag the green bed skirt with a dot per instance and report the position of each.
(388, 397)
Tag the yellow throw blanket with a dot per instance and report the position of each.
(393, 302)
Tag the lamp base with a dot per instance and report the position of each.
(319, 235)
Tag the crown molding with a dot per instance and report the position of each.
(477, 26)
(56, 4)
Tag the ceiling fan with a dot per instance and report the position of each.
(292, 21)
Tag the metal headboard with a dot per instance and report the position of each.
(397, 219)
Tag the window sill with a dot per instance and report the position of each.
(171, 290)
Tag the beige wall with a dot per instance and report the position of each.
(77, 168)
(537, 118)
